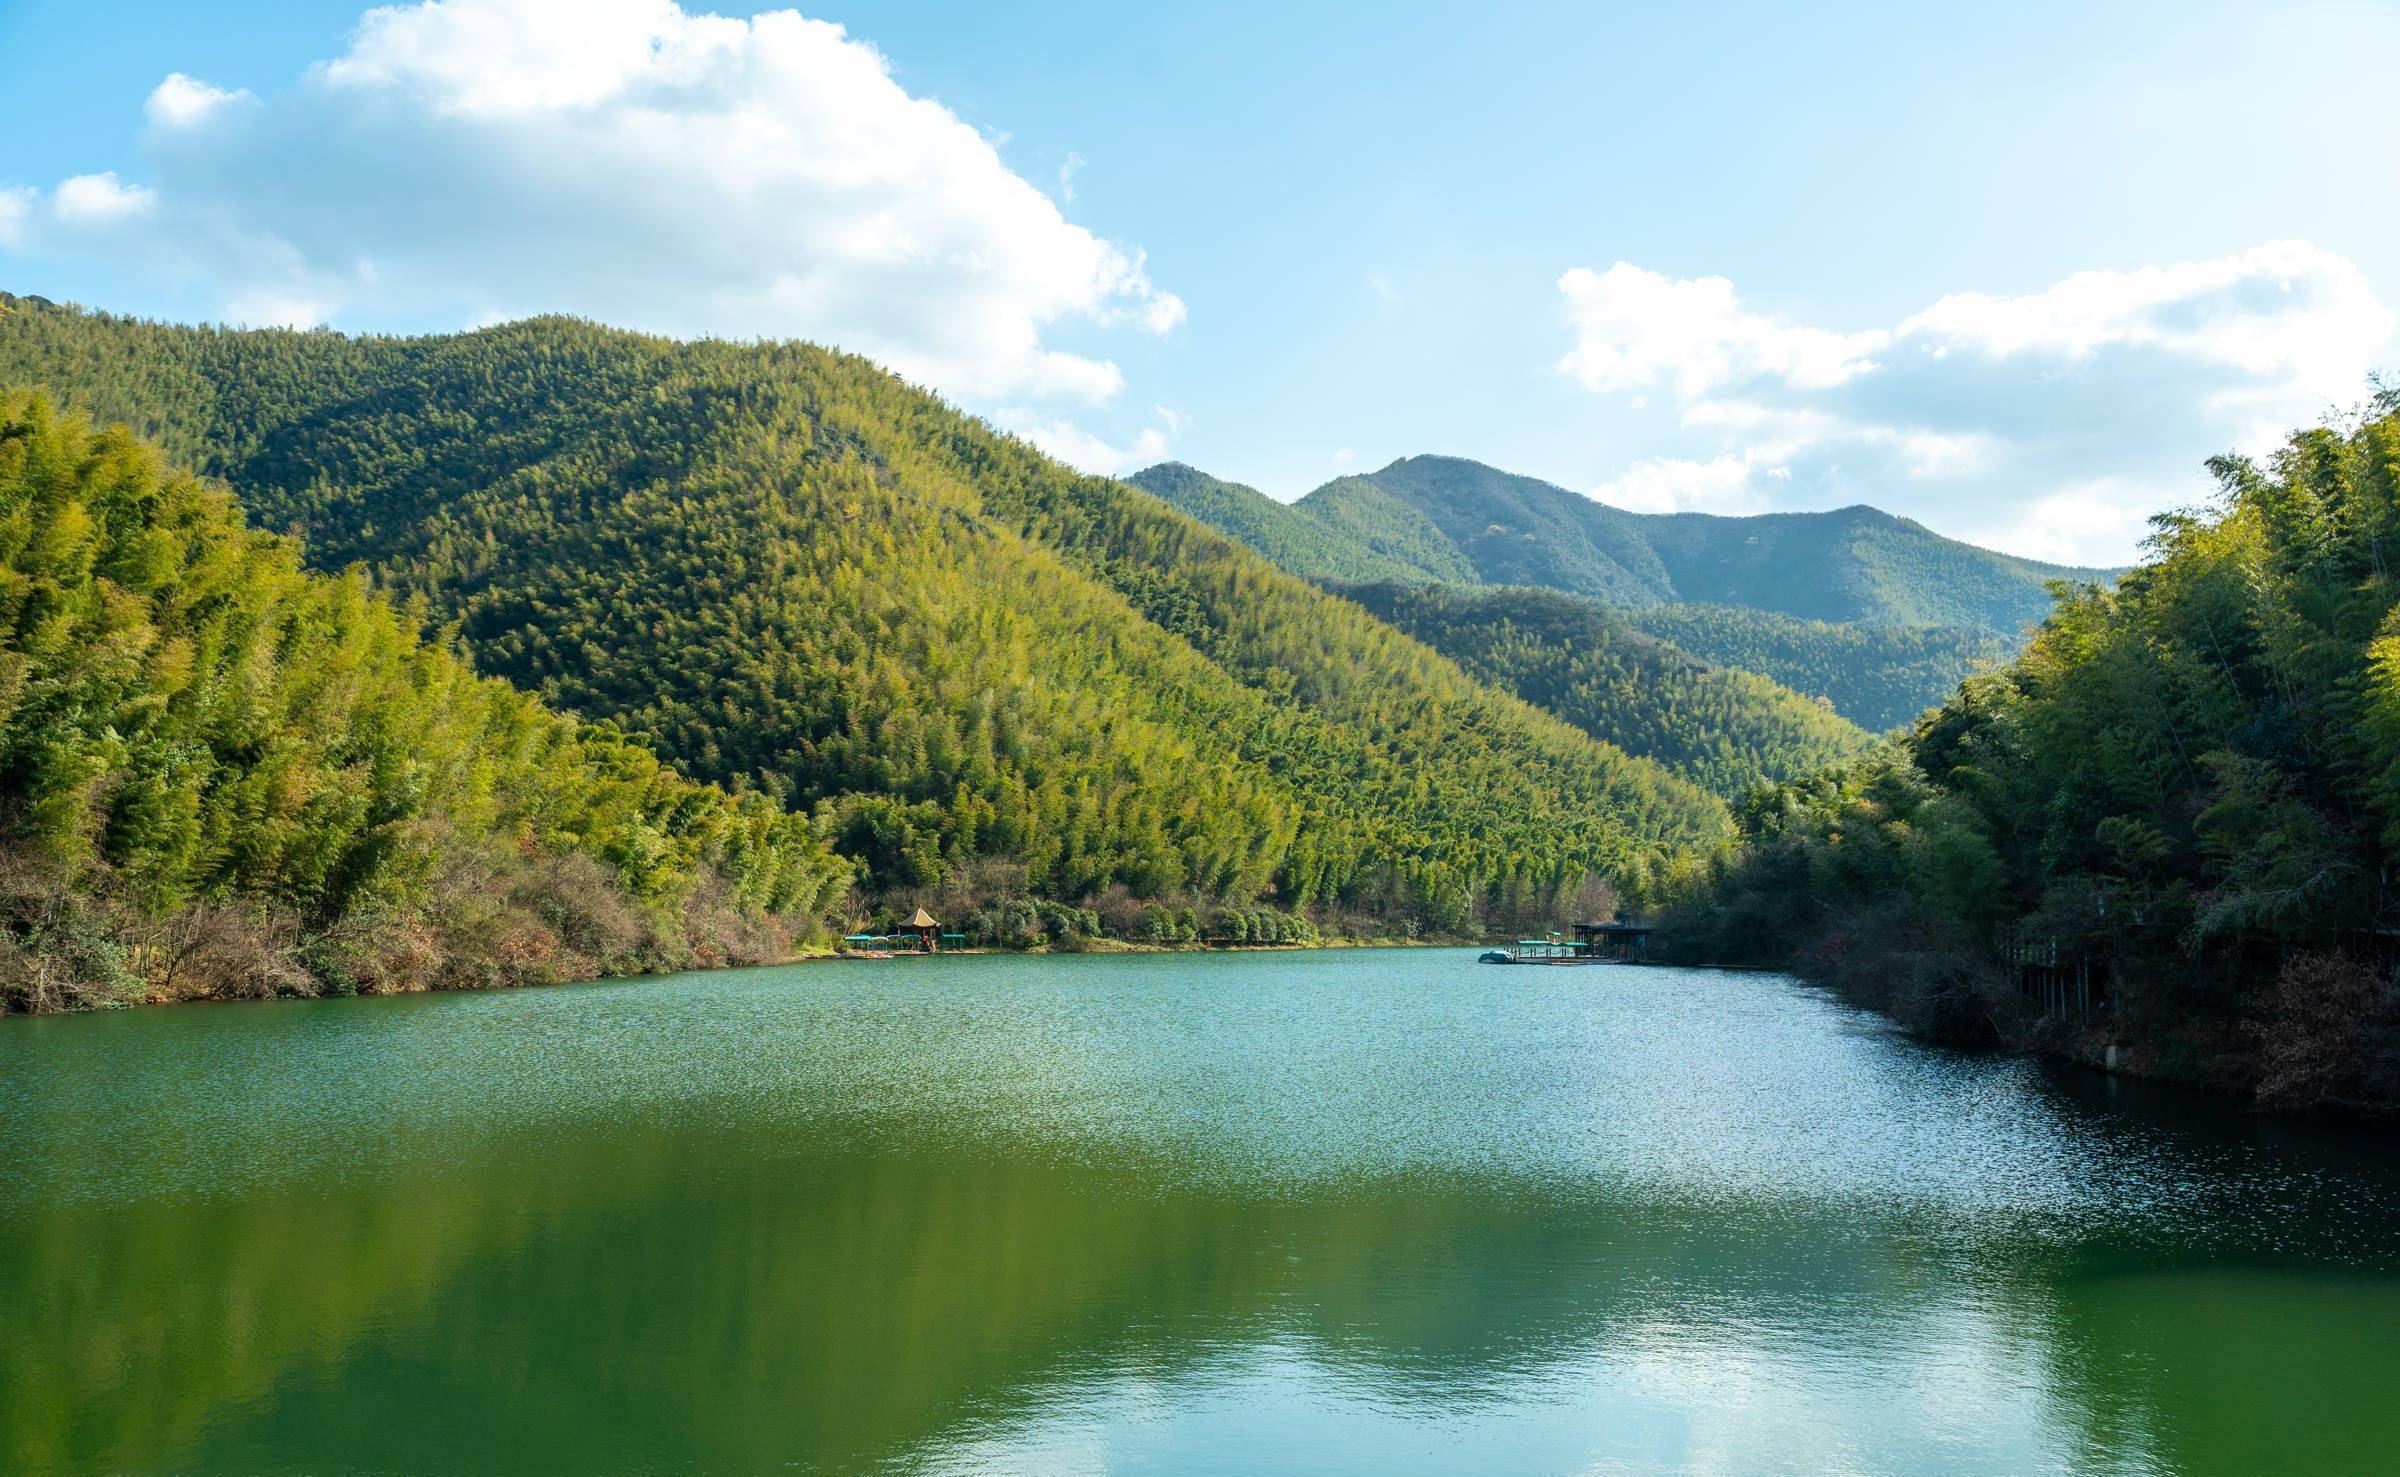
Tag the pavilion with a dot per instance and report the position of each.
(922, 928)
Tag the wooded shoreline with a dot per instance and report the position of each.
(267, 991)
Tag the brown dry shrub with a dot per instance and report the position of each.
(2327, 1032)
(32, 981)
(376, 952)
(716, 932)
(222, 951)
(585, 906)
(1122, 915)
(66, 945)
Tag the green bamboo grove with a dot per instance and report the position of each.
(2188, 785)
(982, 676)
(1721, 728)
(223, 774)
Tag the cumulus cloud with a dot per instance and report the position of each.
(99, 199)
(1085, 451)
(470, 160)
(84, 212)
(2050, 423)
(183, 102)
(1636, 328)
(1722, 484)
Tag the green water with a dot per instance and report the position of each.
(1359, 1212)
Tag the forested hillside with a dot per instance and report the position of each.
(1444, 520)
(791, 572)
(222, 775)
(1854, 564)
(1872, 613)
(1383, 545)
(1724, 730)
(1349, 529)
(2186, 790)
(1878, 677)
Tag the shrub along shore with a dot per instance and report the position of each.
(2164, 835)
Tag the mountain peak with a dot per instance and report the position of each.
(1437, 518)
(1163, 469)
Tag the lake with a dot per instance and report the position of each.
(1350, 1211)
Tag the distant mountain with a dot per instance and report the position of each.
(1720, 728)
(1349, 530)
(1879, 615)
(1355, 536)
(1854, 564)
(989, 679)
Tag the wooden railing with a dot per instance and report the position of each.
(2066, 986)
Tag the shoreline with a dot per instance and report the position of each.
(802, 956)
(2111, 1047)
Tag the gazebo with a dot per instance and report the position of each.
(924, 930)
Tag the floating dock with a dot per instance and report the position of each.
(1594, 943)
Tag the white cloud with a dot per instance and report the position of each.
(1723, 484)
(2103, 513)
(267, 308)
(1635, 328)
(1084, 450)
(2050, 423)
(1066, 176)
(2284, 305)
(98, 200)
(183, 102)
(629, 160)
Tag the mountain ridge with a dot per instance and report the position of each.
(1869, 565)
(790, 571)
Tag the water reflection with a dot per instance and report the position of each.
(1338, 1213)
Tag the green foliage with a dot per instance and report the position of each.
(1877, 676)
(1723, 730)
(792, 573)
(2186, 782)
(1873, 613)
(1028, 923)
(208, 740)
(1854, 564)
(1361, 514)
(1443, 520)
(1347, 530)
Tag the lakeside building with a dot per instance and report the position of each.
(1594, 943)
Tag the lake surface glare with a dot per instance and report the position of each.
(1351, 1211)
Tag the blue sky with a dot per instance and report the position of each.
(2012, 271)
